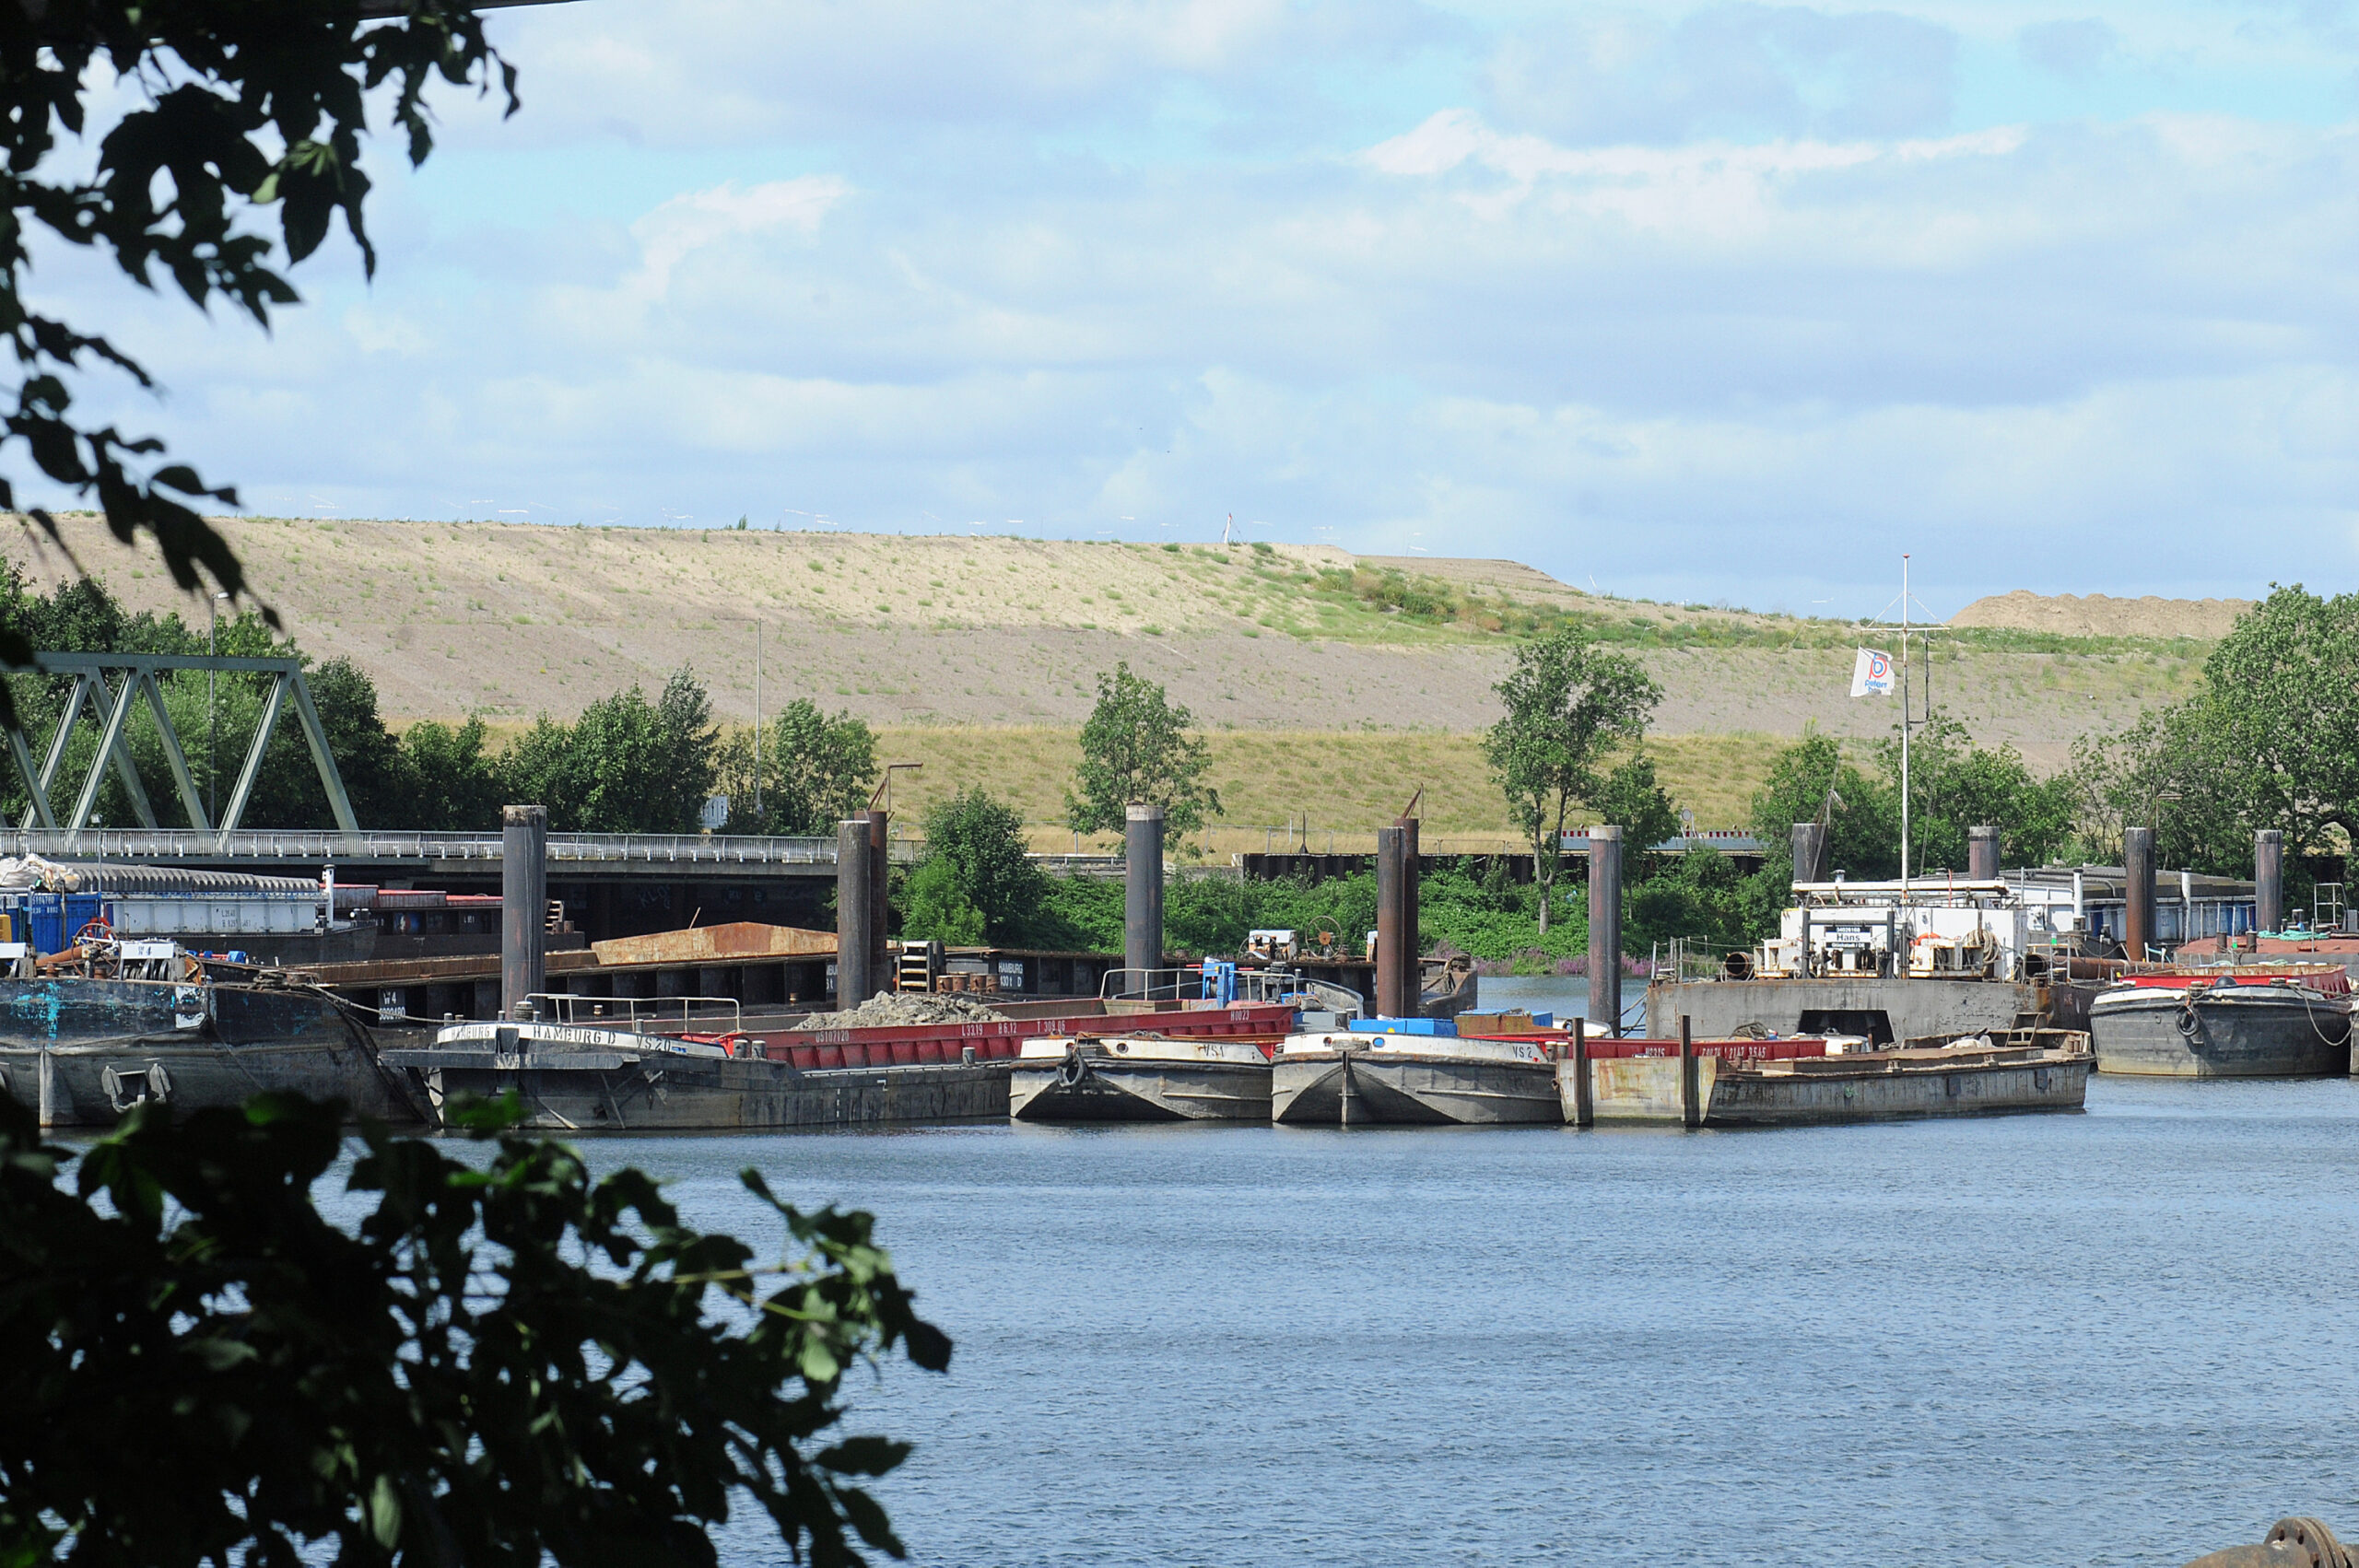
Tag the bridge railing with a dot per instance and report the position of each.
(322, 845)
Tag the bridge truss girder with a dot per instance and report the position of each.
(108, 685)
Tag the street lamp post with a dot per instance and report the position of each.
(211, 723)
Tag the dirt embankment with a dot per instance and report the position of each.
(513, 620)
(2096, 615)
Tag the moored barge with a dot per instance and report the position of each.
(1426, 1078)
(1798, 1082)
(2251, 1021)
(687, 1063)
(110, 1024)
(1141, 1077)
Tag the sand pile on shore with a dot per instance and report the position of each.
(2096, 614)
(888, 1010)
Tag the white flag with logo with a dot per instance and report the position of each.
(1872, 673)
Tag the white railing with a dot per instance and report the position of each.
(641, 1015)
(317, 845)
(1189, 983)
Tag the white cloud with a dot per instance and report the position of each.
(702, 220)
(911, 262)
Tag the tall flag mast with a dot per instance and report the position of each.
(1871, 675)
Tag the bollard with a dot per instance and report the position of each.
(1391, 925)
(1810, 852)
(1584, 1097)
(2137, 892)
(2269, 880)
(2291, 1543)
(1982, 854)
(1691, 1088)
(1142, 894)
(523, 906)
(48, 1089)
(855, 981)
(1605, 928)
(880, 884)
(1413, 980)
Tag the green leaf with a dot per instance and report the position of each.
(385, 1513)
(218, 1355)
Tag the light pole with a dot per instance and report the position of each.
(212, 724)
(757, 721)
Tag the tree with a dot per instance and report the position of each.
(1632, 797)
(2269, 739)
(1568, 702)
(2282, 702)
(626, 765)
(976, 881)
(454, 786)
(1956, 785)
(504, 1361)
(1136, 748)
(539, 768)
(239, 108)
(816, 770)
(1698, 895)
(1809, 781)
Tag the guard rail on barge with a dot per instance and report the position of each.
(700, 1071)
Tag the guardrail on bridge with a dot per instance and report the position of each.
(320, 844)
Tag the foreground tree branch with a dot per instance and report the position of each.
(240, 107)
(506, 1362)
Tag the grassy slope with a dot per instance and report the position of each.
(1332, 687)
(1339, 784)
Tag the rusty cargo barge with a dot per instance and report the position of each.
(88, 1034)
(1761, 1084)
(691, 1065)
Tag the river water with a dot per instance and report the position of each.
(2121, 1337)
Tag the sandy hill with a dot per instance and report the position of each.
(517, 619)
(2097, 616)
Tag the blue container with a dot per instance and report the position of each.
(51, 920)
(1447, 1028)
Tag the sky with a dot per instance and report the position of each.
(1717, 303)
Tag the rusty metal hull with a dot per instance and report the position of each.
(1889, 1086)
(104, 1045)
(1374, 1088)
(624, 1092)
(2167, 1033)
(1141, 1091)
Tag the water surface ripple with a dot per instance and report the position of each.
(2116, 1338)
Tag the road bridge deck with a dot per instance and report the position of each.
(655, 855)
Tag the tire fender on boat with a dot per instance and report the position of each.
(125, 1090)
